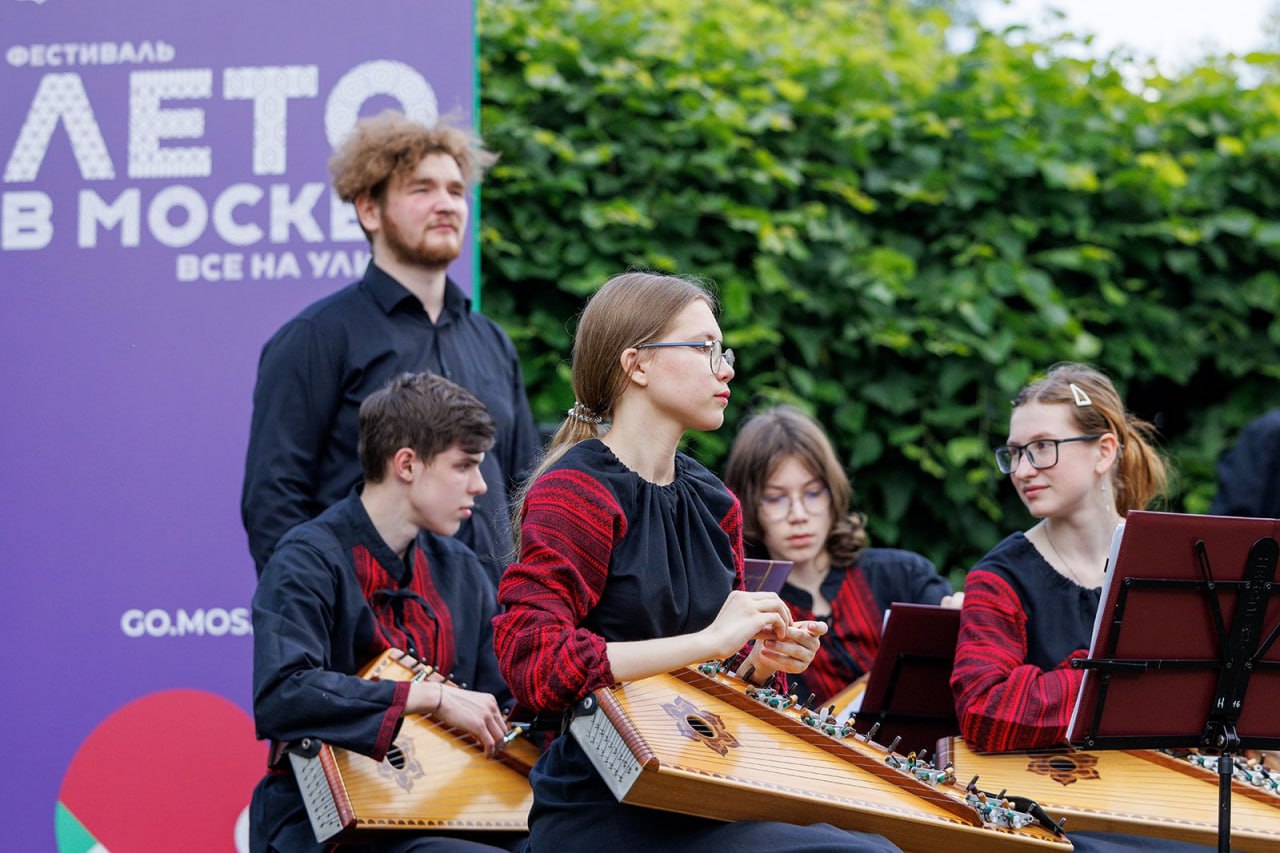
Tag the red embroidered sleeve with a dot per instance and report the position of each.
(568, 528)
(1003, 702)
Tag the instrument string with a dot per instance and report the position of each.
(1184, 793)
(459, 786)
(777, 761)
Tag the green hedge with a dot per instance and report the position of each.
(901, 235)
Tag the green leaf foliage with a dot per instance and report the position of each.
(901, 234)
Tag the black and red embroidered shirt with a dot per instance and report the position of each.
(1021, 625)
(334, 596)
(608, 556)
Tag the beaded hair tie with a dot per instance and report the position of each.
(581, 413)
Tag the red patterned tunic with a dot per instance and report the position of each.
(607, 556)
(1021, 625)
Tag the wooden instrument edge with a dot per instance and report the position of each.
(519, 755)
(1092, 819)
(945, 824)
(830, 745)
(667, 790)
(1238, 788)
(627, 730)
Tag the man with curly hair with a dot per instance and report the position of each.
(409, 184)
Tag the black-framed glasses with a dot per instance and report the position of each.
(1041, 453)
(714, 349)
(816, 500)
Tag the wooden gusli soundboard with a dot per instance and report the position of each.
(694, 741)
(433, 778)
(1142, 792)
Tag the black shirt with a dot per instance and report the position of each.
(333, 596)
(1249, 473)
(317, 369)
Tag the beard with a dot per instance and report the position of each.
(433, 254)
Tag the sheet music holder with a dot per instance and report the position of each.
(1184, 652)
(764, 575)
(908, 687)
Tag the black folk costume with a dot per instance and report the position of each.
(332, 598)
(859, 595)
(318, 368)
(608, 556)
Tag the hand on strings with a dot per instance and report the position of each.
(746, 616)
(792, 653)
(473, 712)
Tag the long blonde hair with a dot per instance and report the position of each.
(631, 308)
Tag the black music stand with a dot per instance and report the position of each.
(909, 686)
(1167, 669)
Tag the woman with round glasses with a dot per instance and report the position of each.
(631, 565)
(795, 499)
(1079, 462)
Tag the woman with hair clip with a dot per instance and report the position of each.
(631, 564)
(1079, 462)
(795, 499)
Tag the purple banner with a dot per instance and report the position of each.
(164, 207)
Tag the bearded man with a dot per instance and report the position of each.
(409, 184)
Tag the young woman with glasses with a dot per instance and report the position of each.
(1079, 462)
(795, 499)
(631, 564)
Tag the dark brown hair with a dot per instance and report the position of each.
(424, 412)
(1140, 472)
(763, 442)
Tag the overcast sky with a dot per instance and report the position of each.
(1174, 32)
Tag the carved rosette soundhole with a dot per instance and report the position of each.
(701, 725)
(401, 765)
(1065, 768)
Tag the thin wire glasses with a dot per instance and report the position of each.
(714, 349)
(816, 500)
(1041, 453)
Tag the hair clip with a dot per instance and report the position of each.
(1077, 393)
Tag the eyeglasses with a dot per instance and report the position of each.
(1041, 453)
(714, 348)
(815, 500)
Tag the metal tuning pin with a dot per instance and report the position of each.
(871, 732)
(746, 676)
(808, 703)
